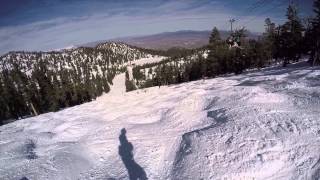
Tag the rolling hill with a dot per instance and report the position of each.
(164, 41)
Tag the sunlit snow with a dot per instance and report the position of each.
(259, 125)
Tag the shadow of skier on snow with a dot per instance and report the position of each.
(135, 171)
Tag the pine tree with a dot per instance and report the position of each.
(130, 86)
(47, 92)
(33, 97)
(13, 97)
(215, 36)
(99, 85)
(269, 39)
(291, 36)
(315, 31)
(54, 100)
(214, 47)
(3, 103)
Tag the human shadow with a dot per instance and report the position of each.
(135, 171)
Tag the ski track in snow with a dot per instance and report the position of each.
(259, 125)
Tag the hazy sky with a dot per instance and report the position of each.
(53, 24)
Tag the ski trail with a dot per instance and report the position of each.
(118, 87)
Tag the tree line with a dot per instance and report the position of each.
(32, 83)
(279, 44)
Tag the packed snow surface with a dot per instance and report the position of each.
(259, 125)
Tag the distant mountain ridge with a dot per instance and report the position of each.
(163, 41)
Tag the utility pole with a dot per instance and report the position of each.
(231, 23)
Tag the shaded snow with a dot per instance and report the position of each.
(260, 125)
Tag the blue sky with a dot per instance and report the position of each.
(53, 24)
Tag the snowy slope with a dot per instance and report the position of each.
(260, 125)
(101, 59)
(148, 60)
